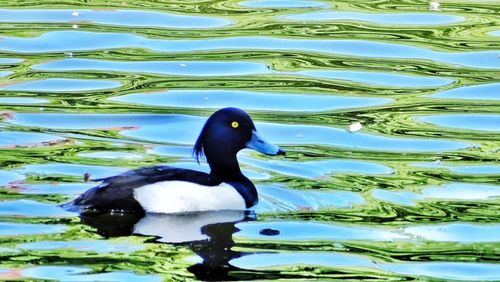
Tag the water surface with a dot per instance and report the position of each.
(92, 90)
(61, 85)
(191, 68)
(380, 18)
(467, 121)
(282, 4)
(474, 92)
(268, 101)
(85, 41)
(111, 17)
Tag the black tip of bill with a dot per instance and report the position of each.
(281, 152)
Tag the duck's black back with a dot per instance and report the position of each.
(117, 192)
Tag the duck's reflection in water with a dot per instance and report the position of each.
(208, 234)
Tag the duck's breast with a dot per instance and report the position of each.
(183, 196)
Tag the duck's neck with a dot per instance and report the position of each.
(228, 170)
(225, 169)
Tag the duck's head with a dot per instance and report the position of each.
(224, 134)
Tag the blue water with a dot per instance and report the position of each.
(400, 19)
(112, 17)
(466, 121)
(31, 208)
(303, 231)
(191, 68)
(77, 170)
(7, 177)
(80, 41)
(473, 169)
(99, 246)
(12, 229)
(282, 4)
(474, 92)
(268, 101)
(11, 138)
(382, 79)
(62, 85)
(5, 73)
(449, 192)
(89, 90)
(72, 189)
(5, 61)
(21, 100)
(156, 128)
(71, 273)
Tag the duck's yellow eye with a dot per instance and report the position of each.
(235, 124)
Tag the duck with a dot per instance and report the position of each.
(166, 189)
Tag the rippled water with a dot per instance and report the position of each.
(112, 85)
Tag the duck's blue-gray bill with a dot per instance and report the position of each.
(258, 144)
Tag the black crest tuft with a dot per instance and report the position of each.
(198, 147)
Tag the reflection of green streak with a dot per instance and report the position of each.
(443, 38)
(396, 215)
(153, 259)
(400, 250)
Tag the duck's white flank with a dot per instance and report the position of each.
(182, 196)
